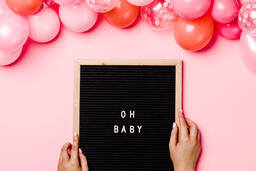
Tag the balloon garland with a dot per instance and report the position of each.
(193, 21)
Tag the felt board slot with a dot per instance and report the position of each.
(149, 93)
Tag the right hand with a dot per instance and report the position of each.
(185, 144)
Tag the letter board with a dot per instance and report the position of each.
(124, 110)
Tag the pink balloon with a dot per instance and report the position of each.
(159, 15)
(247, 18)
(14, 32)
(44, 25)
(67, 2)
(4, 7)
(101, 6)
(248, 50)
(140, 2)
(230, 31)
(79, 17)
(191, 9)
(9, 57)
(225, 11)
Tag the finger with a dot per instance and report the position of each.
(198, 136)
(173, 138)
(83, 161)
(75, 147)
(60, 162)
(64, 151)
(59, 166)
(192, 129)
(60, 158)
(183, 127)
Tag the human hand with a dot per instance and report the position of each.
(184, 144)
(70, 162)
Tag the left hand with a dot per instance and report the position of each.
(70, 162)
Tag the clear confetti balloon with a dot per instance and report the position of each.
(159, 14)
(101, 6)
(245, 1)
(247, 18)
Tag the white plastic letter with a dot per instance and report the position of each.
(139, 128)
(131, 129)
(116, 129)
(123, 114)
(132, 113)
(123, 130)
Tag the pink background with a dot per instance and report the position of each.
(36, 95)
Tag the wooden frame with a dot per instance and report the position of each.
(163, 62)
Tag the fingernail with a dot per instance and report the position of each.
(173, 125)
(181, 111)
(80, 150)
(75, 134)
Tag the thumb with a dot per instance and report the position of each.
(83, 161)
(173, 138)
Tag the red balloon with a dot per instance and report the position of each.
(195, 34)
(123, 15)
(24, 6)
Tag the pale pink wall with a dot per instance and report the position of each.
(36, 96)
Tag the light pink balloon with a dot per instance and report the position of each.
(44, 25)
(79, 17)
(101, 6)
(67, 2)
(4, 7)
(248, 50)
(140, 2)
(191, 9)
(14, 32)
(225, 11)
(230, 31)
(9, 57)
(159, 15)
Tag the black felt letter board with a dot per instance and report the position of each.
(126, 113)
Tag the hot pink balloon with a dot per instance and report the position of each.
(140, 2)
(102, 6)
(191, 9)
(230, 31)
(248, 50)
(225, 11)
(49, 2)
(159, 14)
(14, 32)
(79, 17)
(9, 57)
(67, 2)
(44, 25)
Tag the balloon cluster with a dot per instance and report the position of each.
(193, 21)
